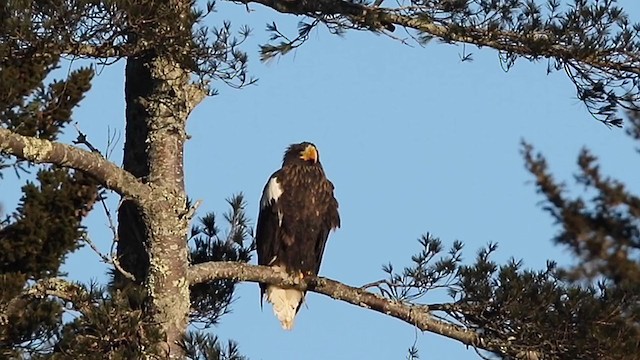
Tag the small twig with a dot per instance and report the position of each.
(108, 260)
(404, 41)
(111, 224)
(374, 284)
(475, 348)
(82, 139)
(112, 139)
(116, 264)
(95, 249)
(395, 291)
(113, 260)
(389, 293)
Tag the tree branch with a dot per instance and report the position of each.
(94, 52)
(103, 51)
(513, 43)
(534, 45)
(415, 315)
(56, 287)
(42, 151)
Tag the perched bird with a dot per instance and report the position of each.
(297, 212)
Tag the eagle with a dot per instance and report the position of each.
(297, 212)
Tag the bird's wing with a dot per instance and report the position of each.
(269, 222)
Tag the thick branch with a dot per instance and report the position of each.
(104, 51)
(44, 151)
(56, 287)
(416, 315)
(371, 17)
(96, 52)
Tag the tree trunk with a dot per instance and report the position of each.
(152, 236)
(153, 232)
(131, 229)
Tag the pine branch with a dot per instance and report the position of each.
(538, 44)
(593, 42)
(415, 315)
(44, 151)
(98, 52)
(56, 287)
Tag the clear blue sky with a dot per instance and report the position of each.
(414, 141)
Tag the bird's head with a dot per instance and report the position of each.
(304, 153)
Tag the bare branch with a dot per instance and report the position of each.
(415, 315)
(41, 151)
(106, 259)
(114, 244)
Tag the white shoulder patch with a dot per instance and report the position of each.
(271, 192)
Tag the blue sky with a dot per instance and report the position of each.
(414, 141)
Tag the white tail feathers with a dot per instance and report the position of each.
(285, 303)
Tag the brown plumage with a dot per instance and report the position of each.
(297, 212)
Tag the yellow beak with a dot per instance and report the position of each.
(310, 154)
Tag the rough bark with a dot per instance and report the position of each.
(152, 239)
(131, 229)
